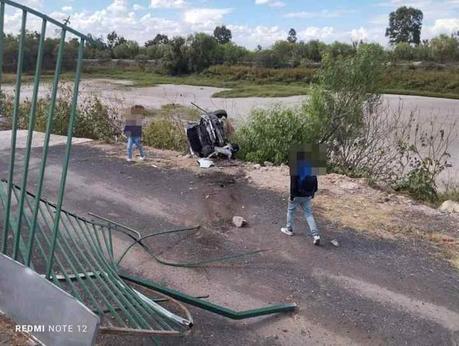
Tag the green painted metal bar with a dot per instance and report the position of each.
(99, 262)
(77, 244)
(49, 125)
(73, 111)
(2, 42)
(40, 247)
(12, 221)
(13, 136)
(45, 17)
(88, 258)
(32, 121)
(219, 310)
(73, 288)
(128, 294)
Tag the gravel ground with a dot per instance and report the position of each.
(387, 283)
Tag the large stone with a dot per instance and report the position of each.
(450, 207)
(239, 221)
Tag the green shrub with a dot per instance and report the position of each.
(94, 119)
(166, 133)
(269, 133)
(419, 184)
(251, 73)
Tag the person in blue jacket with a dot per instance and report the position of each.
(303, 186)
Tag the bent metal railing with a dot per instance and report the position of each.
(73, 253)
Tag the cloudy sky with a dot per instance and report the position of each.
(252, 22)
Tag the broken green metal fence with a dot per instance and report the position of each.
(75, 254)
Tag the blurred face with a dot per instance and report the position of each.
(308, 159)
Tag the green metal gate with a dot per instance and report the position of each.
(74, 253)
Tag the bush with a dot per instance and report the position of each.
(269, 133)
(166, 133)
(347, 86)
(94, 119)
(166, 129)
(364, 138)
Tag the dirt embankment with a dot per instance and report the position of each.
(351, 203)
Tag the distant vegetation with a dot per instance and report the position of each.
(362, 136)
(288, 67)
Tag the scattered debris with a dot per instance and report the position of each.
(257, 166)
(239, 221)
(268, 164)
(205, 163)
(334, 242)
(450, 207)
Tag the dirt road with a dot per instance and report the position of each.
(372, 290)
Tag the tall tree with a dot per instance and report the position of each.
(159, 39)
(222, 34)
(292, 36)
(405, 25)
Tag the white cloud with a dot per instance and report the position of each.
(259, 35)
(205, 17)
(66, 8)
(360, 34)
(314, 32)
(318, 14)
(270, 3)
(167, 3)
(32, 3)
(137, 7)
(445, 26)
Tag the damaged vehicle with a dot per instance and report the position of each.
(207, 137)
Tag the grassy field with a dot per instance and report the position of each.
(236, 88)
(242, 81)
(423, 82)
(247, 81)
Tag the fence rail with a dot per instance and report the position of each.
(73, 253)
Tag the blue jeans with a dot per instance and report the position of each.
(134, 141)
(306, 203)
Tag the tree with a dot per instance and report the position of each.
(203, 51)
(445, 48)
(405, 25)
(175, 58)
(159, 39)
(292, 36)
(126, 50)
(222, 34)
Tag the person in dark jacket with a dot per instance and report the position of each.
(133, 132)
(303, 186)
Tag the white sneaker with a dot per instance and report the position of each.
(316, 240)
(128, 159)
(142, 158)
(287, 231)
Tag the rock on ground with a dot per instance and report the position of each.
(450, 207)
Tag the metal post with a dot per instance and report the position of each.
(216, 309)
(32, 120)
(60, 199)
(20, 62)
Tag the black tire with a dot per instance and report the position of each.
(221, 113)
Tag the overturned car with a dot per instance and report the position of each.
(207, 137)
